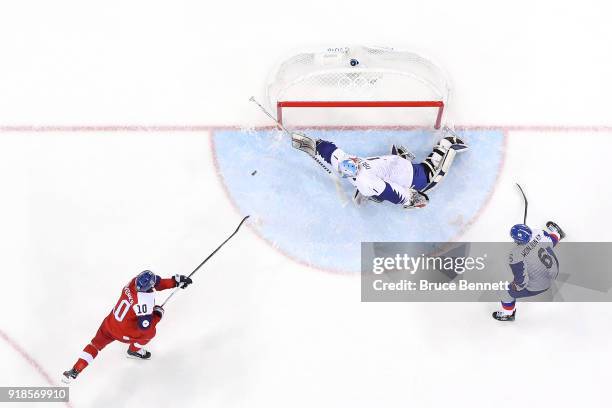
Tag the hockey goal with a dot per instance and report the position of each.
(335, 82)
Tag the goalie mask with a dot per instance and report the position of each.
(349, 167)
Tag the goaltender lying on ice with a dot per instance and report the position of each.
(393, 177)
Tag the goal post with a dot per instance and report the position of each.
(361, 77)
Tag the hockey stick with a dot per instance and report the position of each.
(207, 258)
(339, 190)
(284, 129)
(526, 203)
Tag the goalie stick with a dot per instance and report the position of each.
(339, 190)
(284, 129)
(207, 258)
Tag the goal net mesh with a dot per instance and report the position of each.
(368, 78)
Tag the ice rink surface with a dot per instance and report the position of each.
(118, 125)
(299, 210)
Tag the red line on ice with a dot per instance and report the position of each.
(205, 128)
(30, 360)
(211, 128)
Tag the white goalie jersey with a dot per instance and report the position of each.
(385, 178)
(377, 173)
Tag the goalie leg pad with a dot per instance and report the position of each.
(438, 164)
(452, 140)
(441, 158)
(304, 143)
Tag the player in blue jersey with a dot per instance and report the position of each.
(394, 178)
(533, 263)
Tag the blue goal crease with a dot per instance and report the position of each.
(297, 206)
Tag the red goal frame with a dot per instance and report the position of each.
(361, 104)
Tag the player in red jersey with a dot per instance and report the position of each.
(132, 320)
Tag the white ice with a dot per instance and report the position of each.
(83, 211)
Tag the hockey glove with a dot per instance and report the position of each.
(304, 143)
(418, 199)
(555, 229)
(182, 281)
(158, 311)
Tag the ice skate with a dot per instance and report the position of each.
(70, 375)
(504, 317)
(141, 354)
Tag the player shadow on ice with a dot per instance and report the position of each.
(300, 210)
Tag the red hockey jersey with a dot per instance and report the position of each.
(132, 318)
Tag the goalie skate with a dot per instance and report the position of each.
(455, 141)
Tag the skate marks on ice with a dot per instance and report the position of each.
(297, 209)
